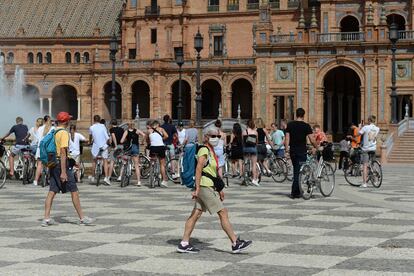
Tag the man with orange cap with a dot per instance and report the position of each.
(62, 177)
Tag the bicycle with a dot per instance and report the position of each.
(155, 172)
(144, 165)
(353, 173)
(316, 173)
(277, 167)
(3, 170)
(247, 172)
(127, 166)
(44, 180)
(29, 165)
(99, 166)
(171, 164)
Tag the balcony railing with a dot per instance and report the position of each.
(282, 38)
(213, 8)
(406, 35)
(293, 4)
(340, 37)
(152, 11)
(233, 7)
(275, 5)
(252, 6)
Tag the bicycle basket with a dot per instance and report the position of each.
(327, 152)
(2, 150)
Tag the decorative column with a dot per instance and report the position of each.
(50, 106)
(350, 99)
(41, 106)
(329, 95)
(340, 122)
(79, 108)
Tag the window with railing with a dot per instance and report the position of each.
(274, 4)
(153, 10)
(77, 57)
(233, 5)
(48, 58)
(68, 57)
(252, 4)
(39, 58)
(86, 57)
(30, 58)
(213, 5)
(218, 46)
(293, 4)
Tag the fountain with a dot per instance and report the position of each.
(12, 101)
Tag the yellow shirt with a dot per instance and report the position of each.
(211, 168)
(61, 140)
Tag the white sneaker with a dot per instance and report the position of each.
(138, 184)
(364, 185)
(34, 183)
(92, 179)
(107, 181)
(255, 182)
(119, 178)
(164, 184)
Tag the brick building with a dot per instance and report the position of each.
(268, 57)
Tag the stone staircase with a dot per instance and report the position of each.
(403, 145)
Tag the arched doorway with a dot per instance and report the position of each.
(242, 96)
(64, 98)
(349, 24)
(211, 96)
(398, 19)
(31, 95)
(108, 96)
(186, 100)
(141, 96)
(342, 101)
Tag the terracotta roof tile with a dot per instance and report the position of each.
(40, 18)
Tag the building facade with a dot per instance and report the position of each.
(261, 58)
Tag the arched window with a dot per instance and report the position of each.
(86, 57)
(48, 58)
(68, 57)
(2, 57)
(30, 58)
(77, 57)
(10, 58)
(39, 58)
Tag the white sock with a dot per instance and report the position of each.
(184, 243)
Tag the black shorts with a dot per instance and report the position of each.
(157, 151)
(55, 183)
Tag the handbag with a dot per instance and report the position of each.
(217, 181)
(250, 141)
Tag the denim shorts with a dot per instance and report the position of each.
(250, 150)
(134, 150)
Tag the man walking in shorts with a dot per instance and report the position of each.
(62, 177)
(99, 138)
(207, 198)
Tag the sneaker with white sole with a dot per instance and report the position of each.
(34, 183)
(87, 221)
(364, 185)
(164, 184)
(187, 249)
(119, 178)
(240, 246)
(107, 181)
(255, 182)
(47, 222)
(138, 184)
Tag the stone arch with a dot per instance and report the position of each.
(186, 99)
(356, 16)
(399, 19)
(339, 62)
(239, 76)
(211, 94)
(107, 90)
(242, 95)
(65, 98)
(140, 95)
(349, 23)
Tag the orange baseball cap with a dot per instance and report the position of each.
(63, 117)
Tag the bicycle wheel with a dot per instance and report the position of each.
(145, 166)
(25, 172)
(375, 174)
(32, 170)
(327, 180)
(305, 181)
(278, 169)
(98, 173)
(289, 170)
(152, 176)
(226, 171)
(246, 173)
(259, 172)
(82, 169)
(170, 170)
(353, 175)
(126, 175)
(3, 174)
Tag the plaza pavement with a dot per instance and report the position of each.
(354, 232)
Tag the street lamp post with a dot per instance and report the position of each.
(393, 36)
(113, 48)
(179, 59)
(198, 46)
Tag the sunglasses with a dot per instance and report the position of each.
(215, 136)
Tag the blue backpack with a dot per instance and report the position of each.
(189, 164)
(47, 148)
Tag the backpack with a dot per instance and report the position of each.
(47, 148)
(189, 164)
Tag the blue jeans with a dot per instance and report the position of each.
(297, 160)
(280, 153)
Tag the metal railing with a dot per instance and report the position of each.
(252, 6)
(274, 5)
(152, 10)
(406, 35)
(282, 38)
(293, 4)
(213, 8)
(233, 7)
(340, 37)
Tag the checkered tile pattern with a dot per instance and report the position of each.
(137, 231)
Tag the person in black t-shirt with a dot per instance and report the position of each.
(116, 133)
(297, 134)
(172, 134)
(21, 133)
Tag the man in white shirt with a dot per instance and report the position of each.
(99, 138)
(369, 145)
(181, 133)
